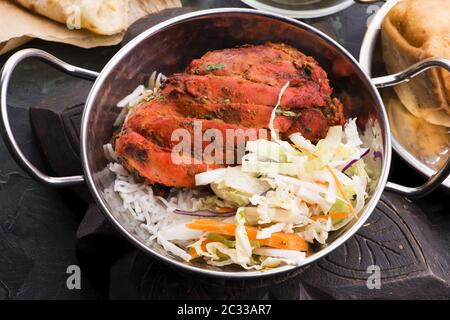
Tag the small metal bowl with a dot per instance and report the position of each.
(168, 47)
(371, 61)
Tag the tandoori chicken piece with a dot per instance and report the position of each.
(158, 121)
(226, 90)
(170, 131)
(245, 115)
(241, 114)
(273, 64)
(156, 164)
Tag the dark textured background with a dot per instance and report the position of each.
(38, 224)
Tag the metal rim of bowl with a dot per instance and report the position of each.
(365, 60)
(300, 14)
(84, 138)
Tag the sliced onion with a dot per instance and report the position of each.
(121, 118)
(135, 94)
(265, 192)
(377, 154)
(352, 162)
(205, 213)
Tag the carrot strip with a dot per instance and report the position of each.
(280, 240)
(311, 153)
(213, 226)
(193, 253)
(225, 210)
(333, 215)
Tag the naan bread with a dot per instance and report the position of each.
(412, 31)
(105, 17)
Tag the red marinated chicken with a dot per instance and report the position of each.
(231, 90)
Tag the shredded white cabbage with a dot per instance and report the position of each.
(243, 246)
(317, 230)
(302, 184)
(208, 177)
(236, 187)
(172, 248)
(295, 257)
(266, 233)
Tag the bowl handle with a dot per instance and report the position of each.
(406, 75)
(5, 127)
(411, 72)
(423, 190)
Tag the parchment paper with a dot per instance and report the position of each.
(17, 25)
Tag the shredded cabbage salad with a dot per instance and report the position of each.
(285, 198)
(288, 194)
(289, 189)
